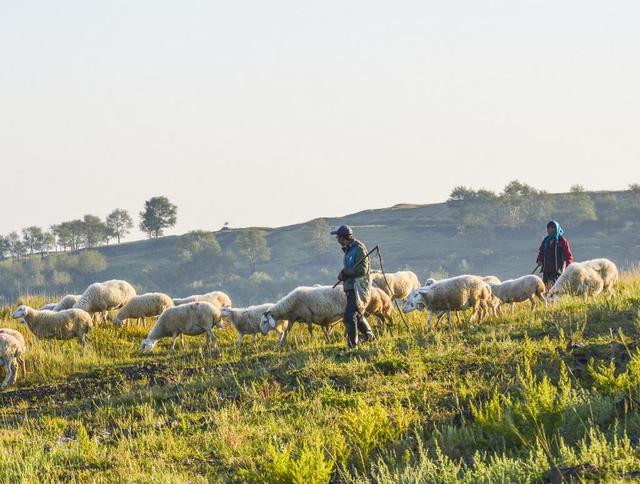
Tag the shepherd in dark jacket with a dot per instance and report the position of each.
(554, 254)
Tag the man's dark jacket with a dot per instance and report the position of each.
(356, 264)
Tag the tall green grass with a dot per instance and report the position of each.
(527, 397)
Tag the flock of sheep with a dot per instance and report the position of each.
(75, 315)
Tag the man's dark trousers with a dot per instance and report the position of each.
(354, 320)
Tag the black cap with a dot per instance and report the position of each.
(343, 231)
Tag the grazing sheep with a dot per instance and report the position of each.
(607, 270)
(66, 302)
(192, 319)
(11, 350)
(517, 290)
(494, 301)
(380, 305)
(247, 321)
(101, 297)
(312, 305)
(67, 324)
(453, 294)
(588, 278)
(144, 306)
(23, 346)
(400, 283)
(217, 298)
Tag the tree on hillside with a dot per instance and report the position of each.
(5, 247)
(252, 244)
(317, 236)
(158, 214)
(199, 254)
(95, 231)
(77, 230)
(576, 189)
(33, 239)
(18, 247)
(582, 207)
(119, 223)
(462, 193)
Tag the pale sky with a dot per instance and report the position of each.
(271, 113)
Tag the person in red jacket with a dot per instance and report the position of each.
(554, 254)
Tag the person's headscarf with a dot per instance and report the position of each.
(557, 235)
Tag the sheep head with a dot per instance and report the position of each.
(267, 323)
(148, 344)
(414, 302)
(21, 313)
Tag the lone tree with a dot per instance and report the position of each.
(95, 231)
(317, 236)
(158, 214)
(119, 223)
(252, 244)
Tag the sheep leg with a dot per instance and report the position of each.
(533, 303)
(173, 341)
(255, 338)
(7, 378)
(429, 316)
(211, 340)
(513, 308)
(325, 330)
(284, 335)
(23, 366)
(239, 338)
(542, 298)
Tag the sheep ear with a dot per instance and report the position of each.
(423, 290)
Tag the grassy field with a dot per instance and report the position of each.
(531, 397)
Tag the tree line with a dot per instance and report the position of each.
(157, 215)
(520, 204)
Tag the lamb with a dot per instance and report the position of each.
(400, 283)
(517, 290)
(588, 278)
(191, 319)
(23, 346)
(247, 321)
(217, 298)
(66, 302)
(494, 302)
(144, 306)
(313, 305)
(67, 324)
(380, 305)
(453, 294)
(101, 297)
(11, 350)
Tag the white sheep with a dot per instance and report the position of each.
(494, 301)
(101, 297)
(322, 305)
(453, 294)
(23, 346)
(588, 278)
(192, 319)
(217, 298)
(147, 305)
(517, 290)
(400, 284)
(380, 305)
(66, 302)
(67, 324)
(11, 350)
(247, 321)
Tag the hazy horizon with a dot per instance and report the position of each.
(273, 114)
